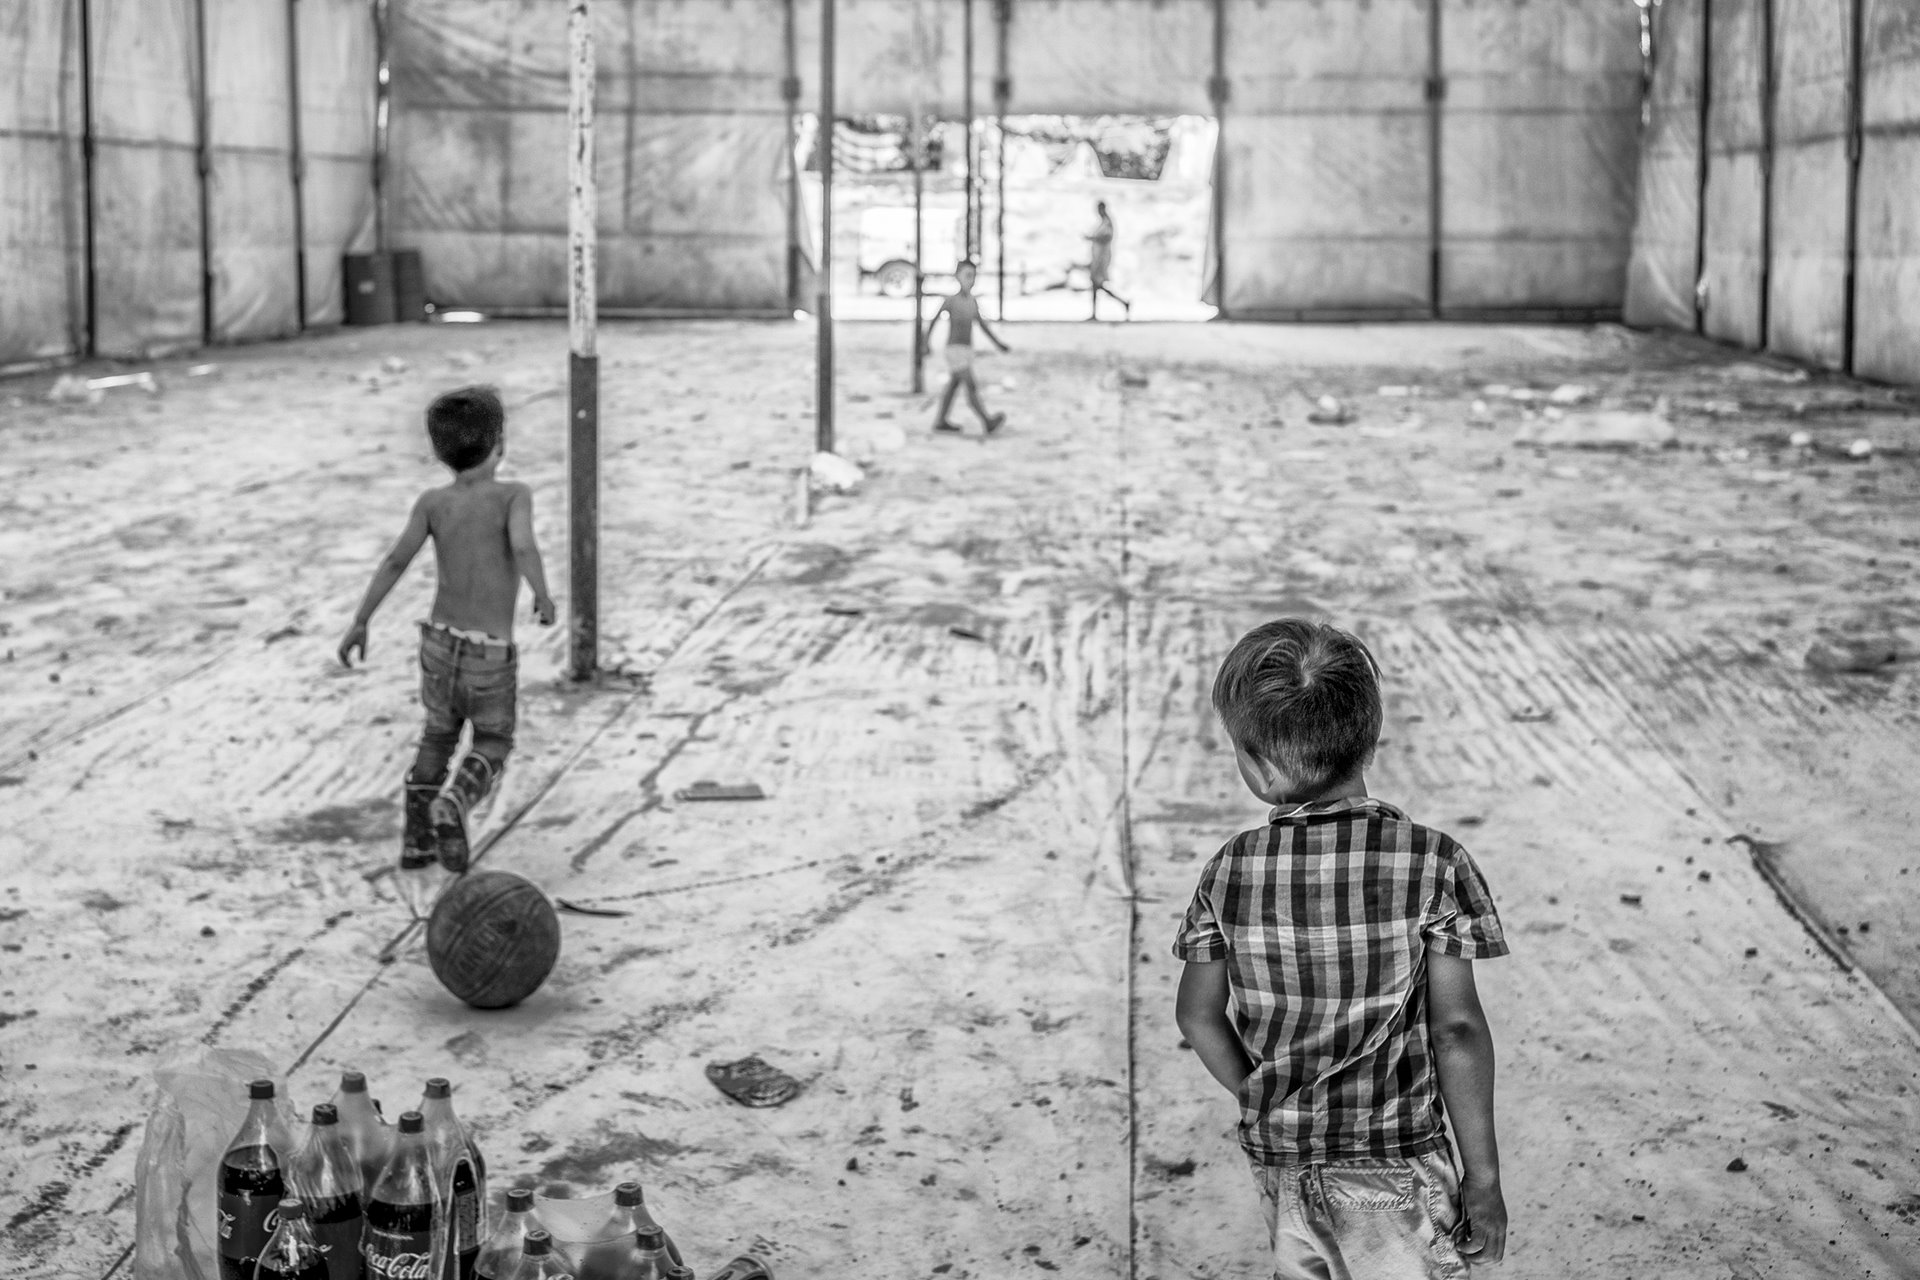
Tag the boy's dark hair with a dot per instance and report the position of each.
(1304, 697)
(464, 425)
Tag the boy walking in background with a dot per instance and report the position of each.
(962, 312)
(483, 544)
(1329, 983)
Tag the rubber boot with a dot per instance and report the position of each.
(450, 809)
(416, 839)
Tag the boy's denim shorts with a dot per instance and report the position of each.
(464, 682)
(1384, 1219)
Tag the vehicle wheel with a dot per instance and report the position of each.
(896, 278)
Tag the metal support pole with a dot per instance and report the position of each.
(583, 361)
(1700, 300)
(1217, 92)
(382, 104)
(1766, 171)
(823, 316)
(790, 90)
(299, 164)
(203, 162)
(1856, 82)
(1002, 91)
(966, 93)
(915, 132)
(91, 287)
(1436, 95)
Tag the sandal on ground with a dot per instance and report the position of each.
(752, 1083)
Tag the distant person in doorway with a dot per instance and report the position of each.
(483, 544)
(1100, 261)
(962, 311)
(1329, 983)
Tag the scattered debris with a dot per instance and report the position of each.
(1328, 411)
(831, 471)
(581, 909)
(284, 633)
(1604, 429)
(1133, 378)
(844, 610)
(1860, 449)
(752, 1083)
(202, 370)
(72, 389)
(1570, 393)
(394, 364)
(707, 789)
(1631, 899)
(1532, 715)
(1749, 371)
(1736, 1165)
(1801, 439)
(1395, 392)
(1751, 952)
(1854, 656)
(965, 633)
(907, 1102)
(1478, 413)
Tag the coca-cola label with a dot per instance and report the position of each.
(246, 1223)
(340, 1245)
(399, 1255)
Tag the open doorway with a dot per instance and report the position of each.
(1037, 185)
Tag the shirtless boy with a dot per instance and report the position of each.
(962, 311)
(482, 531)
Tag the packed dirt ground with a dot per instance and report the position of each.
(975, 691)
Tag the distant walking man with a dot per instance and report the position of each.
(962, 312)
(1100, 261)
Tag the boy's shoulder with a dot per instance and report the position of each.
(1380, 828)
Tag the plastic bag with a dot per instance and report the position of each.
(578, 1223)
(202, 1098)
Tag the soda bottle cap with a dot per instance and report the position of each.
(259, 1089)
(537, 1243)
(325, 1113)
(411, 1122)
(293, 1207)
(353, 1082)
(519, 1200)
(652, 1238)
(439, 1088)
(629, 1194)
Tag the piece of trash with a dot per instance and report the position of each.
(1532, 715)
(284, 633)
(1631, 899)
(1705, 876)
(965, 633)
(744, 1267)
(142, 380)
(1132, 378)
(1751, 952)
(1525, 395)
(707, 789)
(1329, 412)
(1860, 449)
(1606, 429)
(202, 370)
(1008, 384)
(1570, 393)
(831, 471)
(844, 610)
(231, 602)
(1801, 439)
(394, 364)
(1394, 392)
(1478, 411)
(752, 1083)
(1736, 1165)
(1751, 372)
(70, 388)
(1852, 656)
(581, 909)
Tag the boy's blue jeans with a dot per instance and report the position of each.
(1389, 1219)
(463, 682)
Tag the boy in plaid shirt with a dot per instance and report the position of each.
(1329, 982)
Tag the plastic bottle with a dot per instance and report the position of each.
(539, 1260)
(403, 1210)
(613, 1240)
(501, 1253)
(362, 1127)
(252, 1183)
(292, 1253)
(327, 1178)
(462, 1172)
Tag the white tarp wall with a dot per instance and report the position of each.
(1333, 117)
(1808, 251)
(175, 84)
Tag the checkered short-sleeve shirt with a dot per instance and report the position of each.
(1325, 917)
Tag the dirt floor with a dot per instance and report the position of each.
(975, 691)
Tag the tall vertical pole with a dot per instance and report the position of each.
(1700, 298)
(966, 94)
(1217, 92)
(1002, 90)
(203, 163)
(918, 143)
(298, 160)
(583, 361)
(1856, 83)
(1436, 95)
(1766, 172)
(790, 90)
(87, 148)
(823, 356)
(382, 107)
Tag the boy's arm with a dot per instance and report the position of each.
(991, 335)
(526, 552)
(1463, 1057)
(391, 570)
(926, 339)
(1200, 1007)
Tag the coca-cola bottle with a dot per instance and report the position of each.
(539, 1260)
(646, 1256)
(327, 1178)
(292, 1253)
(462, 1172)
(362, 1127)
(403, 1210)
(252, 1182)
(501, 1253)
(613, 1240)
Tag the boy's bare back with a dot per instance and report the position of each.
(471, 522)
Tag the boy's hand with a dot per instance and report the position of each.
(356, 638)
(543, 610)
(1482, 1233)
